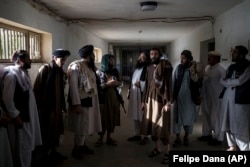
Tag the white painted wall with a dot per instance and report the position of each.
(231, 28)
(71, 37)
(191, 42)
(234, 25)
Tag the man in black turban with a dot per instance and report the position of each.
(84, 109)
(49, 92)
(85, 51)
(61, 53)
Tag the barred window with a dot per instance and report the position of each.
(13, 38)
(98, 55)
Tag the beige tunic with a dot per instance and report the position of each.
(82, 84)
(155, 121)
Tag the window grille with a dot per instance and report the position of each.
(13, 38)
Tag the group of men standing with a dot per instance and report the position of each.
(33, 117)
(222, 95)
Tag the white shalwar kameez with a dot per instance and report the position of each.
(29, 136)
(88, 122)
(211, 89)
(184, 107)
(236, 117)
(134, 105)
(5, 152)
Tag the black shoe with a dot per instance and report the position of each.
(99, 143)
(185, 142)
(154, 153)
(111, 142)
(205, 138)
(77, 154)
(177, 143)
(86, 150)
(144, 141)
(165, 159)
(214, 142)
(58, 156)
(134, 138)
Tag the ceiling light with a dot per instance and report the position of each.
(148, 5)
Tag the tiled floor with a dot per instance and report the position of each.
(125, 154)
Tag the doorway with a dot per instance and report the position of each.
(205, 47)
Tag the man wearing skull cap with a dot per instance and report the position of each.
(211, 104)
(84, 110)
(49, 93)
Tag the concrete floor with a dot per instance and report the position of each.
(126, 154)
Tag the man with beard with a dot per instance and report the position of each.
(84, 111)
(135, 92)
(236, 101)
(19, 100)
(49, 92)
(185, 96)
(156, 103)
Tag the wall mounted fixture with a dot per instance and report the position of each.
(148, 5)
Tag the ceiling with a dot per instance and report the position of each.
(123, 22)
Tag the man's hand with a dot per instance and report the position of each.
(167, 107)
(143, 106)
(112, 83)
(137, 84)
(77, 108)
(5, 120)
(18, 122)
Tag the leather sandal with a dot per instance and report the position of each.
(111, 142)
(144, 141)
(165, 159)
(99, 143)
(154, 153)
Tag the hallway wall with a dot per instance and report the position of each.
(190, 42)
(68, 36)
(231, 28)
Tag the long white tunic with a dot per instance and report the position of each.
(211, 89)
(29, 136)
(184, 108)
(5, 151)
(77, 86)
(235, 117)
(134, 105)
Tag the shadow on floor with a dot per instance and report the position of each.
(126, 153)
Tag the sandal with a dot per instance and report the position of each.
(99, 143)
(177, 143)
(165, 159)
(144, 141)
(185, 142)
(154, 153)
(111, 142)
(232, 148)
